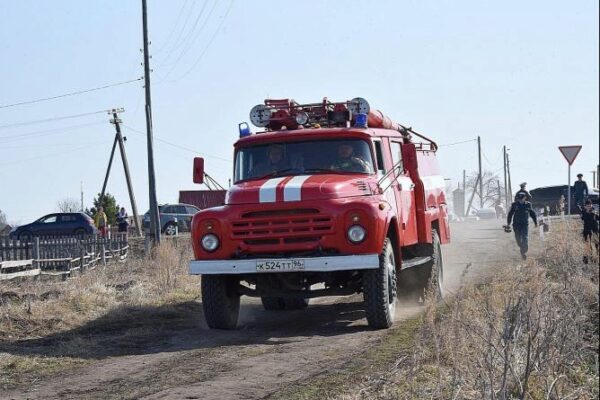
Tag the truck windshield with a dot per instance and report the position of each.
(341, 156)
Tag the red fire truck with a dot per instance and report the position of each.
(331, 199)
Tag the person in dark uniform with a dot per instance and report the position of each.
(519, 214)
(580, 190)
(590, 226)
(524, 191)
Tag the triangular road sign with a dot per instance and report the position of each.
(569, 152)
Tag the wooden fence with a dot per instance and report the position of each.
(58, 256)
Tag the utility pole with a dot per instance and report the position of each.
(593, 178)
(81, 190)
(154, 221)
(505, 177)
(480, 173)
(464, 191)
(119, 137)
(510, 194)
(499, 191)
(110, 160)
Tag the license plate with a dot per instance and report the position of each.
(279, 265)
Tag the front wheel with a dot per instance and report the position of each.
(379, 289)
(416, 282)
(220, 301)
(171, 229)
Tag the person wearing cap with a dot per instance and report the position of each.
(524, 191)
(519, 214)
(580, 190)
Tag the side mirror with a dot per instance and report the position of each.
(198, 170)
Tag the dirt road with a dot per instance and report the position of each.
(270, 351)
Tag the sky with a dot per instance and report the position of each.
(520, 74)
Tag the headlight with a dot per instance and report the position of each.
(356, 233)
(209, 242)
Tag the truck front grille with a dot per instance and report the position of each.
(282, 227)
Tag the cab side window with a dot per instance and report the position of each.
(396, 149)
(379, 155)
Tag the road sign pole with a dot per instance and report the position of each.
(569, 192)
(570, 154)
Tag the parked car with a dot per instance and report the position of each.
(173, 218)
(486, 213)
(550, 195)
(62, 224)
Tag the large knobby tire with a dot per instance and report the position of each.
(221, 301)
(280, 303)
(436, 276)
(379, 289)
(415, 282)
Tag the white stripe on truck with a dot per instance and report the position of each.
(292, 191)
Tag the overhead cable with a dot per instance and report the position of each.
(69, 94)
(174, 144)
(39, 121)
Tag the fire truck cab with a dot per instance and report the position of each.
(331, 199)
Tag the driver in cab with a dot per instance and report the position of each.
(347, 161)
(275, 162)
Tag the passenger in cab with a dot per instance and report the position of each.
(349, 162)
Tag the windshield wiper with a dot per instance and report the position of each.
(275, 173)
(320, 170)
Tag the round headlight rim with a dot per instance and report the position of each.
(364, 233)
(204, 247)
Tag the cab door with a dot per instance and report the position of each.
(405, 196)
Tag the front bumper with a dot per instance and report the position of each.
(311, 264)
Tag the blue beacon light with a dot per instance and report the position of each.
(244, 129)
(360, 120)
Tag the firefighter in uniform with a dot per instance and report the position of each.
(581, 191)
(590, 227)
(524, 191)
(519, 214)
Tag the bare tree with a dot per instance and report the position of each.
(68, 204)
(2, 218)
(492, 188)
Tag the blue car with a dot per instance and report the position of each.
(59, 224)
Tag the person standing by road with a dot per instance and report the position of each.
(519, 214)
(590, 227)
(580, 190)
(101, 221)
(524, 191)
(122, 220)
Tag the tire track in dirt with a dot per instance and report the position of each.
(270, 350)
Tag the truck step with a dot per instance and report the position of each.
(414, 262)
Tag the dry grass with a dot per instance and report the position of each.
(531, 332)
(46, 325)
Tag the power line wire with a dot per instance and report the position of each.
(176, 43)
(69, 94)
(175, 145)
(186, 40)
(191, 42)
(452, 144)
(51, 155)
(207, 45)
(175, 26)
(45, 132)
(39, 121)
